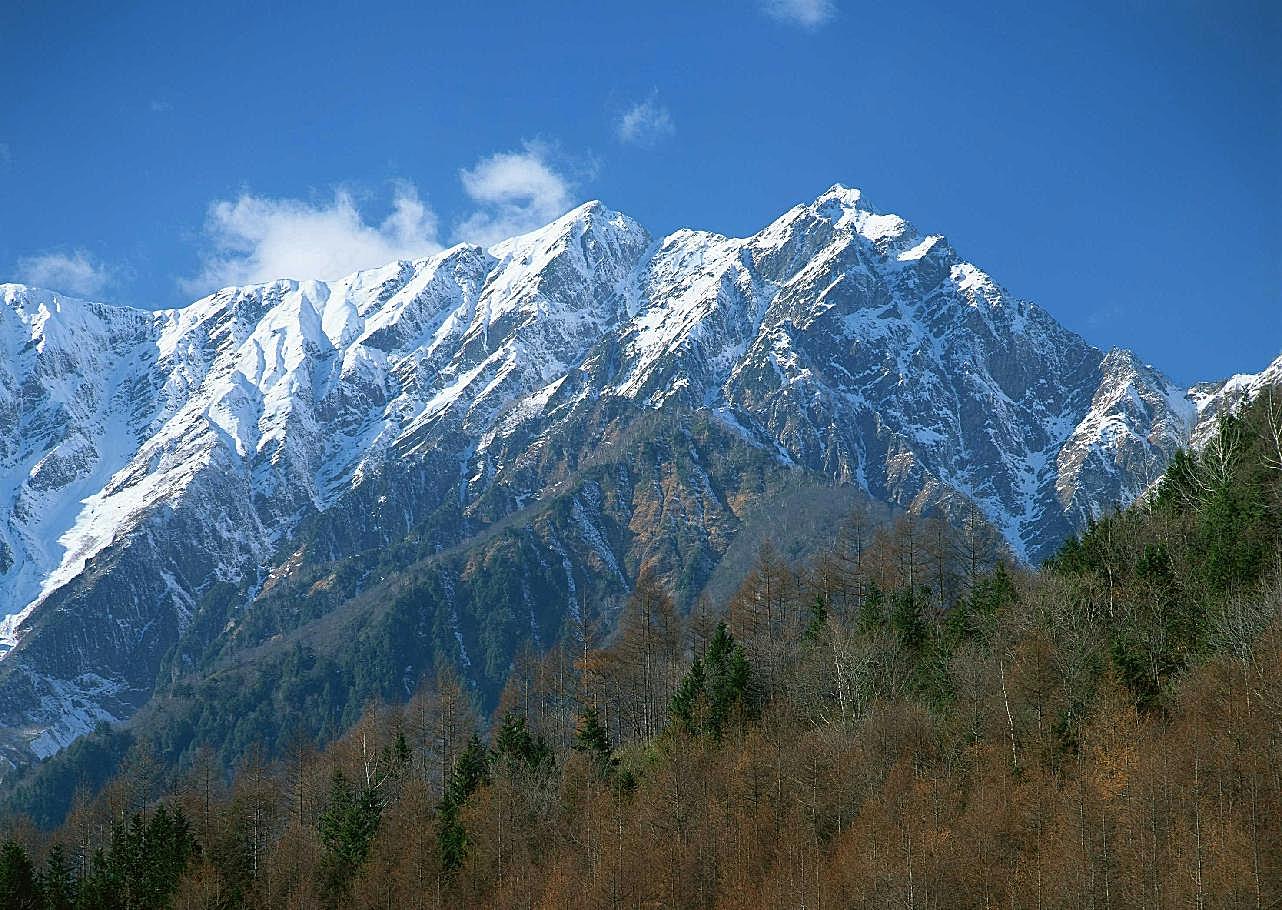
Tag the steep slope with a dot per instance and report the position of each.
(172, 477)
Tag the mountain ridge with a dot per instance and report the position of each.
(167, 453)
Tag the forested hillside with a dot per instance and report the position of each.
(907, 720)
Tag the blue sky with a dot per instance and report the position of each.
(1117, 162)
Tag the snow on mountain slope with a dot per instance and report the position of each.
(1110, 450)
(1211, 399)
(301, 384)
(73, 408)
(146, 459)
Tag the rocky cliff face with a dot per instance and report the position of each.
(567, 404)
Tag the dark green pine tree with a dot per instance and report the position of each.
(515, 747)
(103, 888)
(715, 689)
(592, 739)
(400, 751)
(1232, 519)
(56, 882)
(990, 594)
(451, 839)
(471, 771)
(167, 846)
(872, 609)
(818, 619)
(140, 870)
(726, 669)
(995, 591)
(18, 890)
(688, 703)
(125, 855)
(906, 618)
(347, 827)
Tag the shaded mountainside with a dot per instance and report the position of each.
(446, 459)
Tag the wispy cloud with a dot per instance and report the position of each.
(517, 191)
(160, 107)
(6, 154)
(646, 123)
(76, 272)
(805, 13)
(257, 238)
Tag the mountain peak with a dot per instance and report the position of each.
(840, 204)
(841, 194)
(593, 216)
(848, 208)
(15, 294)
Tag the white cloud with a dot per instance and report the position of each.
(160, 107)
(518, 192)
(72, 273)
(805, 13)
(255, 238)
(645, 123)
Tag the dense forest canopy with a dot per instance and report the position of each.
(908, 720)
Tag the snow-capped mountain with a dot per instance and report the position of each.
(1211, 399)
(162, 472)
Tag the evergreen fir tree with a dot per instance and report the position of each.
(726, 669)
(687, 708)
(715, 687)
(451, 839)
(56, 883)
(872, 609)
(471, 771)
(906, 618)
(592, 739)
(818, 619)
(347, 827)
(401, 754)
(103, 888)
(17, 879)
(515, 747)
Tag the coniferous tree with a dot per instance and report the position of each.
(17, 879)
(818, 618)
(400, 752)
(715, 687)
(688, 706)
(167, 846)
(872, 609)
(515, 746)
(347, 826)
(592, 739)
(103, 887)
(471, 771)
(56, 882)
(451, 839)
(726, 672)
(906, 618)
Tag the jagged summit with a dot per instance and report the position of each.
(155, 463)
